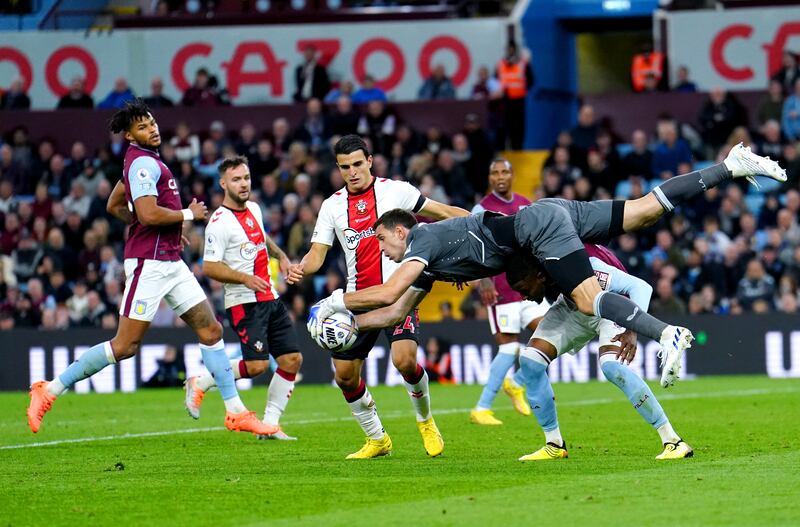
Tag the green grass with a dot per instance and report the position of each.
(744, 430)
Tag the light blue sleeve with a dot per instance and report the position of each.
(621, 282)
(477, 208)
(143, 177)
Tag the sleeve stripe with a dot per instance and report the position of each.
(419, 206)
(413, 258)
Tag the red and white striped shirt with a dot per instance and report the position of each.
(350, 217)
(238, 239)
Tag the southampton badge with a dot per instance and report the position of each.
(258, 346)
(361, 207)
(250, 224)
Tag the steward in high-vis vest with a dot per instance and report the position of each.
(516, 78)
(647, 70)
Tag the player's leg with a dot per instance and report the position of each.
(139, 303)
(403, 343)
(531, 313)
(347, 374)
(638, 392)
(507, 351)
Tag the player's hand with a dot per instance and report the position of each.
(199, 209)
(295, 273)
(488, 292)
(322, 310)
(257, 284)
(284, 265)
(185, 242)
(627, 346)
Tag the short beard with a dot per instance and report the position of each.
(236, 199)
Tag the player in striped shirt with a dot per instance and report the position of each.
(237, 252)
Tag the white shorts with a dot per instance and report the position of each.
(515, 316)
(147, 282)
(569, 330)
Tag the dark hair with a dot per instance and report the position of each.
(349, 144)
(499, 159)
(231, 162)
(133, 111)
(520, 267)
(395, 217)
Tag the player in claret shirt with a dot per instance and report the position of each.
(349, 215)
(148, 199)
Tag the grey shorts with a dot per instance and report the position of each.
(553, 228)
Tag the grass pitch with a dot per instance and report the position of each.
(138, 459)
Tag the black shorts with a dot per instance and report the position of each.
(408, 330)
(264, 329)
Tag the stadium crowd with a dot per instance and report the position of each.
(734, 250)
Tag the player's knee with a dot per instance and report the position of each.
(405, 364)
(256, 367)
(211, 334)
(290, 363)
(125, 349)
(346, 382)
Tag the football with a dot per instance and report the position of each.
(339, 332)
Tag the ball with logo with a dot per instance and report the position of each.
(339, 332)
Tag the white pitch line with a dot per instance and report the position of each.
(404, 414)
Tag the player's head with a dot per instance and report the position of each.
(526, 276)
(354, 162)
(137, 124)
(234, 178)
(391, 230)
(501, 175)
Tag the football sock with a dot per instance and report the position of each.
(502, 362)
(635, 389)
(667, 434)
(219, 366)
(363, 408)
(417, 387)
(678, 189)
(92, 361)
(278, 394)
(627, 314)
(540, 393)
(238, 367)
(518, 379)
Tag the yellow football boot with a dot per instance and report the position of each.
(484, 417)
(431, 437)
(548, 451)
(518, 398)
(677, 450)
(374, 448)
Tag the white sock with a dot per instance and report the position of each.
(420, 397)
(667, 434)
(56, 387)
(206, 381)
(554, 436)
(235, 405)
(366, 414)
(278, 394)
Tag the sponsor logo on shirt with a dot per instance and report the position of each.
(248, 250)
(353, 237)
(172, 184)
(604, 279)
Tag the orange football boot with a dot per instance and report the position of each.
(248, 422)
(41, 402)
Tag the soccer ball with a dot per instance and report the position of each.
(339, 332)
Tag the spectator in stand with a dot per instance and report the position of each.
(563, 166)
(344, 119)
(584, 135)
(791, 114)
(683, 84)
(480, 146)
(647, 69)
(639, 161)
(311, 77)
(720, 114)
(379, 125)
(345, 88)
(771, 143)
(670, 151)
(437, 87)
(717, 241)
(15, 98)
(206, 165)
(118, 96)
(185, 143)
(314, 129)
(76, 97)
(202, 92)
(599, 173)
(516, 79)
(756, 285)
(449, 174)
(368, 92)
(281, 136)
(486, 87)
(77, 161)
(57, 180)
(246, 144)
(218, 134)
(264, 162)
(666, 304)
(13, 171)
(11, 234)
(789, 73)
(771, 106)
(157, 99)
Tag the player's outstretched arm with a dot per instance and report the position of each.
(223, 273)
(117, 205)
(387, 293)
(151, 214)
(276, 252)
(310, 263)
(439, 211)
(391, 315)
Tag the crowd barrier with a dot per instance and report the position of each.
(749, 344)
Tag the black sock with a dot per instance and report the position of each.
(678, 189)
(627, 314)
